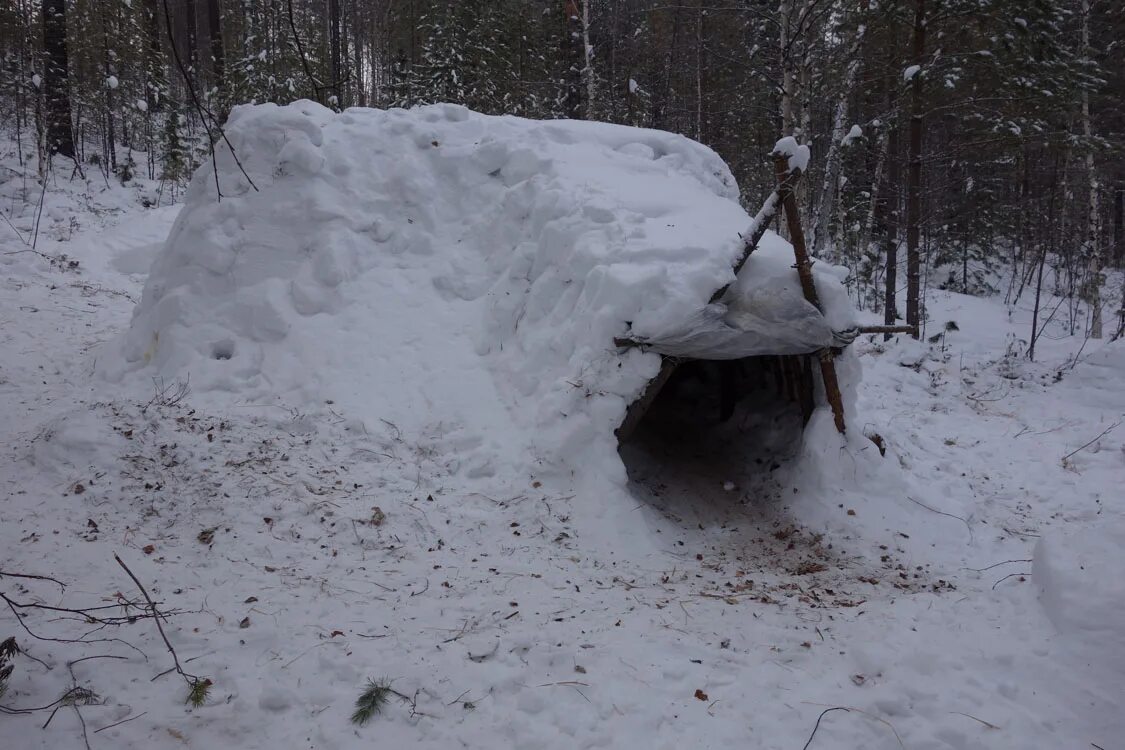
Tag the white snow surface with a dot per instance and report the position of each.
(437, 256)
(962, 592)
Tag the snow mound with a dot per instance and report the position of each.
(1081, 580)
(427, 268)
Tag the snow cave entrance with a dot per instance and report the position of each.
(716, 427)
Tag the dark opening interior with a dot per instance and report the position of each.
(716, 432)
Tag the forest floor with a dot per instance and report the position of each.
(294, 564)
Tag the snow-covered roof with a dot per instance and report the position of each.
(441, 259)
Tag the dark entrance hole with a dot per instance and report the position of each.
(715, 433)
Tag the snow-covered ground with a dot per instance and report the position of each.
(964, 591)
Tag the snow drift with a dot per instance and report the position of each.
(458, 275)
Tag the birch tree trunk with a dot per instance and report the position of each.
(914, 179)
(588, 58)
(876, 187)
(1094, 273)
(832, 160)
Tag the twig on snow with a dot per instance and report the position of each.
(817, 725)
(198, 686)
(85, 736)
(13, 226)
(996, 565)
(1021, 576)
(123, 721)
(39, 208)
(14, 607)
(943, 513)
(858, 711)
(988, 724)
(6, 574)
(1100, 435)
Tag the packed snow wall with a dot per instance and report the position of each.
(453, 274)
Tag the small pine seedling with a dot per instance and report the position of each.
(199, 692)
(8, 649)
(371, 701)
(80, 696)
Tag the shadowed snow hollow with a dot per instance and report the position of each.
(448, 273)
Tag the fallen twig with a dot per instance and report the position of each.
(858, 711)
(996, 565)
(14, 607)
(198, 686)
(1100, 435)
(123, 721)
(817, 725)
(943, 513)
(988, 724)
(13, 226)
(1021, 576)
(6, 574)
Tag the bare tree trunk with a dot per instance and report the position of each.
(56, 82)
(785, 14)
(1023, 231)
(191, 35)
(890, 303)
(575, 106)
(107, 67)
(215, 34)
(335, 64)
(699, 67)
(1118, 229)
(154, 58)
(805, 120)
(1043, 248)
(914, 179)
(1093, 255)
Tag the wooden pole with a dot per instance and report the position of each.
(887, 329)
(808, 286)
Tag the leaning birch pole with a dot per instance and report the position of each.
(782, 160)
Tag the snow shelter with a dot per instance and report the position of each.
(522, 289)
